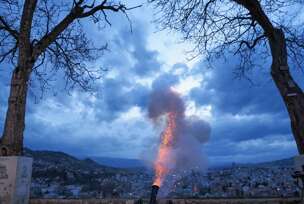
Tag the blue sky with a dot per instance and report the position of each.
(249, 122)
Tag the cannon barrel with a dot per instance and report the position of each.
(153, 194)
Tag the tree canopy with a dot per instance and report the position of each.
(55, 36)
(242, 27)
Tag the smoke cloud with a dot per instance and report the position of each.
(189, 135)
(163, 101)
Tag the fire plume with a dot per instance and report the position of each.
(164, 151)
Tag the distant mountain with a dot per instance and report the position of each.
(62, 160)
(288, 162)
(136, 163)
(119, 162)
(52, 158)
(278, 163)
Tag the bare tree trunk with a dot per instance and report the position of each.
(12, 139)
(291, 93)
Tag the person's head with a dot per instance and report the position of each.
(3, 151)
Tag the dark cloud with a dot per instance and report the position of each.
(140, 96)
(145, 61)
(238, 96)
(255, 150)
(164, 81)
(66, 138)
(244, 110)
(249, 115)
(129, 59)
(118, 96)
(134, 44)
(112, 100)
(240, 128)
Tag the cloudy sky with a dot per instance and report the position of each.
(249, 121)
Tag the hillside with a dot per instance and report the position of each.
(62, 160)
(288, 162)
(119, 162)
(59, 174)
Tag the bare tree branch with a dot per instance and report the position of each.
(77, 12)
(250, 45)
(4, 25)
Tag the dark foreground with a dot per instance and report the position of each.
(168, 201)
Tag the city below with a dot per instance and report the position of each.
(58, 175)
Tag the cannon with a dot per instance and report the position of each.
(154, 191)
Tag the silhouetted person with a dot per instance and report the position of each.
(4, 152)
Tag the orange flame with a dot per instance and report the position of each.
(161, 169)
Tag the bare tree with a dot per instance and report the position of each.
(37, 34)
(251, 29)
